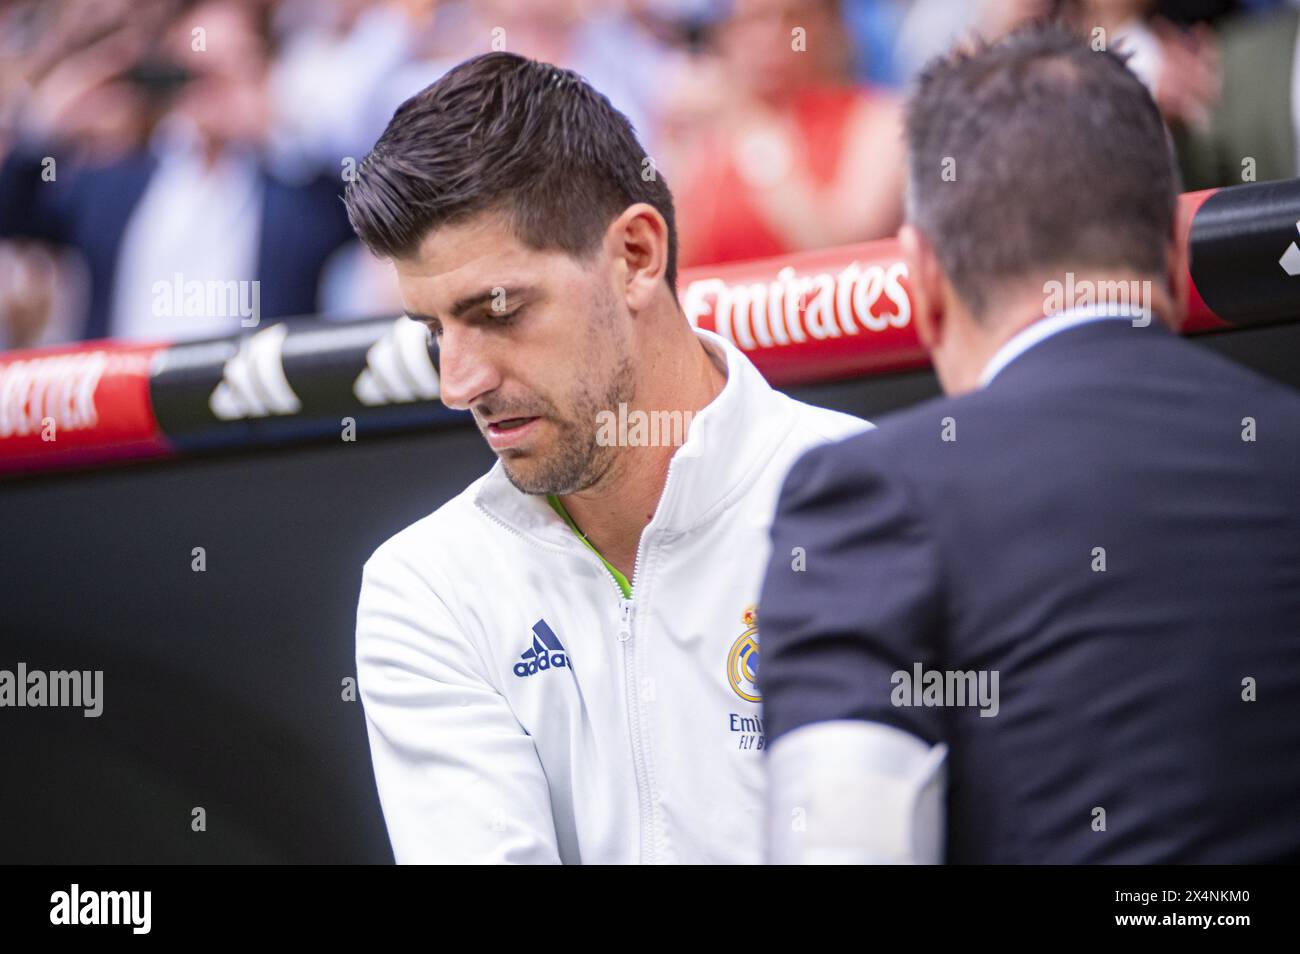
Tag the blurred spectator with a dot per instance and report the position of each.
(772, 119)
(141, 145)
(41, 295)
(931, 27)
(1169, 46)
(1253, 131)
(334, 56)
(778, 150)
(624, 48)
(615, 50)
(1180, 66)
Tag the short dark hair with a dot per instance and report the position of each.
(1059, 159)
(504, 133)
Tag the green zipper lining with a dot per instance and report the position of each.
(619, 578)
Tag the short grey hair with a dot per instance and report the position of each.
(1060, 160)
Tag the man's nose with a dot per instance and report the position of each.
(465, 367)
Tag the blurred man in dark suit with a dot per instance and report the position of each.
(200, 203)
(1055, 615)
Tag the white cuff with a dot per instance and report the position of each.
(854, 792)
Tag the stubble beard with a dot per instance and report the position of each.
(577, 461)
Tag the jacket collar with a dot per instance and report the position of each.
(727, 442)
(1044, 328)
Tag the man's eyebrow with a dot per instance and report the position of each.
(469, 302)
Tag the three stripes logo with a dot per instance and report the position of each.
(253, 383)
(398, 367)
(545, 653)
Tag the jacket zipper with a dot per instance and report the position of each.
(627, 610)
(645, 807)
(645, 831)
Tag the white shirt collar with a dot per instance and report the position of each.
(193, 223)
(1043, 329)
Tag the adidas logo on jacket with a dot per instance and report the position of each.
(521, 708)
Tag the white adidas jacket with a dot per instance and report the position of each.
(520, 709)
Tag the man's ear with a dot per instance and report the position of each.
(639, 239)
(924, 284)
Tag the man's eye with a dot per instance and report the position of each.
(505, 317)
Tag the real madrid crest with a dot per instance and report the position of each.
(742, 661)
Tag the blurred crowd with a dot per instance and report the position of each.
(147, 144)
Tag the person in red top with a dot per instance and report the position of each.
(780, 152)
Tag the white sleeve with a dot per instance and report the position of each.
(855, 792)
(459, 779)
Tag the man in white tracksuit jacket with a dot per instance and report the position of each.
(558, 665)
